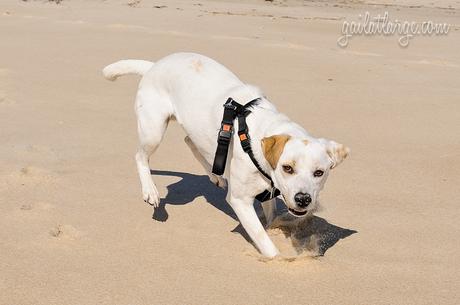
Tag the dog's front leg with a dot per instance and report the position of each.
(244, 209)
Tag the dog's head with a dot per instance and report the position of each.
(301, 167)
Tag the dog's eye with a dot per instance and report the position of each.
(318, 173)
(288, 169)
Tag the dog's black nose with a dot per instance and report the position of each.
(302, 199)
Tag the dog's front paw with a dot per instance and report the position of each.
(218, 181)
(152, 197)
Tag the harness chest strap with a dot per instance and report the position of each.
(233, 110)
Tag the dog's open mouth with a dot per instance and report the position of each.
(297, 213)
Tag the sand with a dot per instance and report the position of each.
(74, 228)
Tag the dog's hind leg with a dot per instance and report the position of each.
(269, 208)
(217, 180)
(153, 114)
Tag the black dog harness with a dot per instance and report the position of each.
(233, 110)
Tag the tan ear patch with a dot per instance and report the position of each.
(273, 147)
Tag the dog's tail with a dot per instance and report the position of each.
(128, 66)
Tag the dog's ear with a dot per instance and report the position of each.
(273, 147)
(336, 151)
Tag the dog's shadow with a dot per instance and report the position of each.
(188, 188)
(306, 234)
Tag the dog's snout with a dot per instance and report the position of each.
(302, 199)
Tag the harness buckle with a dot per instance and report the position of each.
(244, 140)
(225, 134)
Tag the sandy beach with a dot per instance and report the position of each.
(74, 228)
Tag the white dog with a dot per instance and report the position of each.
(191, 89)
